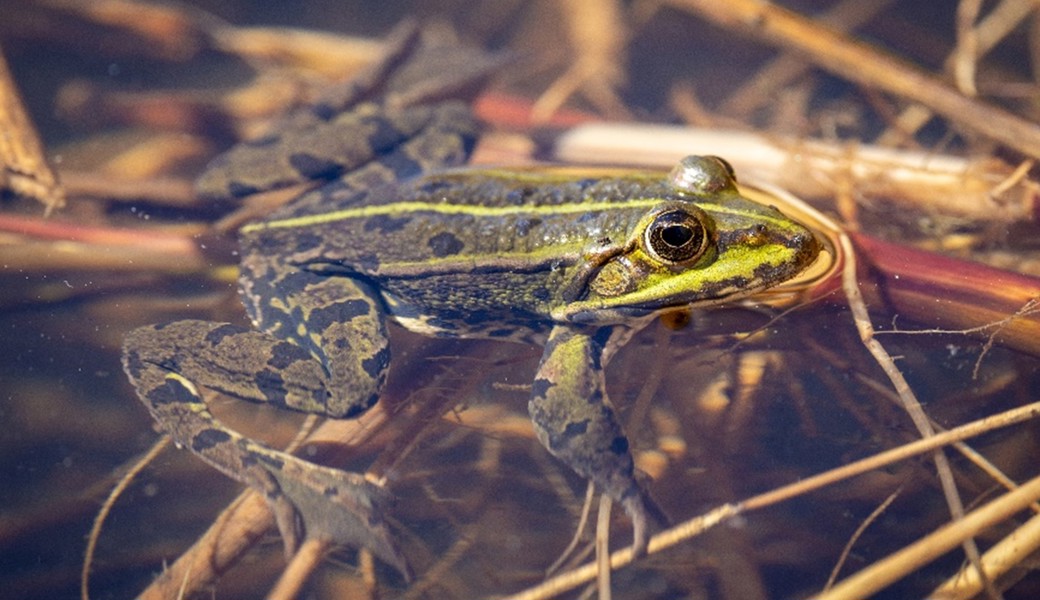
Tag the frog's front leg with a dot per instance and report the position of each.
(574, 419)
(304, 371)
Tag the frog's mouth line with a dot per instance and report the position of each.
(595, 312)
(626, 308)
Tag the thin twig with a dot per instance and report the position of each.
(911, 405)
(603, 548)
(994, 27)
(889, 569)
(701, 523)
(106, 508)
(295, 575)
(967, 51)
(586, 508)
(1009, 553)
(761, 89)
(877, 512)
(597, 32)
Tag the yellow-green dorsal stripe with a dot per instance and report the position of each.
(400, 208)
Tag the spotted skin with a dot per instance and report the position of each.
(305, 498)
(575, 420)
(578, 262)
(319, 345)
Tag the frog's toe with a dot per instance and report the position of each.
(338, 506)
(637, 512)
(289, 526)
(641, 509)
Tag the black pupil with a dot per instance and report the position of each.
(676, 236)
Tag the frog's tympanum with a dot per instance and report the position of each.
(573, 261)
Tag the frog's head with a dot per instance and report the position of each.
(704, 244)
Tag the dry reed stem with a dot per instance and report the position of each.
(51, 244)
(905, 561)
(701, 523)
(170, 31)
(913, 408)
(862, 63)
(965, 54)
(939, 184)
(295, 575)
(603, 548)
(329, 55)
(984, 36)
(23, 164)
(761, 88)
(163, 191)
(1010, 552)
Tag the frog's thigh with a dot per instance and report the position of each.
(166, 363)
(574, 419)
(340, 322)
(241, 362)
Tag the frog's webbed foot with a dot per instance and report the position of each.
(320, 503)
(573, 418)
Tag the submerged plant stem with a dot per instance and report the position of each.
(701, 523)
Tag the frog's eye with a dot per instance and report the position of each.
(677, 236)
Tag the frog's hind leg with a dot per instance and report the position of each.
(339, 321)
(167, 362)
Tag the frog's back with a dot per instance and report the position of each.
(485, 250)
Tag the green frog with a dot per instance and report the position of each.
(576, 261)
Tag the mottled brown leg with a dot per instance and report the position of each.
(165, 363)
(574, 419)
(328, 355)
